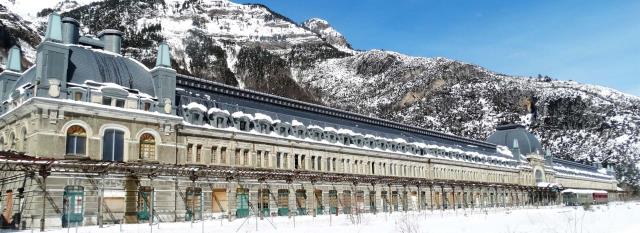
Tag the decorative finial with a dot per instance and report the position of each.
(164, 57)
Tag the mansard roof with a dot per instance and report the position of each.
(87, 64)
(213, 94)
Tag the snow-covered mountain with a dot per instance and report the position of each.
(253, 47)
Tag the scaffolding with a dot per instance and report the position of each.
(38, 169)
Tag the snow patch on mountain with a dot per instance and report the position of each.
(328, 33)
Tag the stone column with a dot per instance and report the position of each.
(311, 200)
(292, 199)
(377, 199)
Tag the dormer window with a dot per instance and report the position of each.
(147, 106)
(195, 117)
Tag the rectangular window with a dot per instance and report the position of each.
(199, 154)
(319, 163)
(106, 100)
(313, 161)
(333, 165)
(278, 160)
(258, 159)
(189, 152)
(237, 157)
(76, 145)
(328, 164)
(245, 158)
(120, 103)
(223, 155)
(285, 161)
(214, 153)
(296, 161)
(147, 106)
(266, 159)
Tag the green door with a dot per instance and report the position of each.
(143, 207)
(73, 206)
(319, 206)
(193, 203)
(144, 202)
(242, 203)
(263, 204)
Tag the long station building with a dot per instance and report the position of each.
(89, 136)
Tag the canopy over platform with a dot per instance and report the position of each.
(584, 191)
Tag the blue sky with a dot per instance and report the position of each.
(596, 42)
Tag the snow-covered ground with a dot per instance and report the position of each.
(614, 218)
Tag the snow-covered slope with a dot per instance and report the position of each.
(253, 47)
(328, 33)
(576, 121)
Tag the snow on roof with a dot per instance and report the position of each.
(195, 106)
(134, 93)
(217, 110)
(585, 191)
(330, 129)
(296, 123)
(345, 131)
(314, 127)
(240, 114)
(504, 151)
(564, 170)
(548, 185)
(399, 140)
(263, 117)
(349, 132)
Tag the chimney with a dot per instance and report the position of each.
(164, 81)
(112, 40)
(15, 59)
(70, 31)
(54, 28)
(164, 57)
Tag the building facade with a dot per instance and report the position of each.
(110, 140)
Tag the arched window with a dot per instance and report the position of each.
(539, 176)
(113, 145)
(147, 147)
(76, 141)
(24, 139)
(12, 141)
